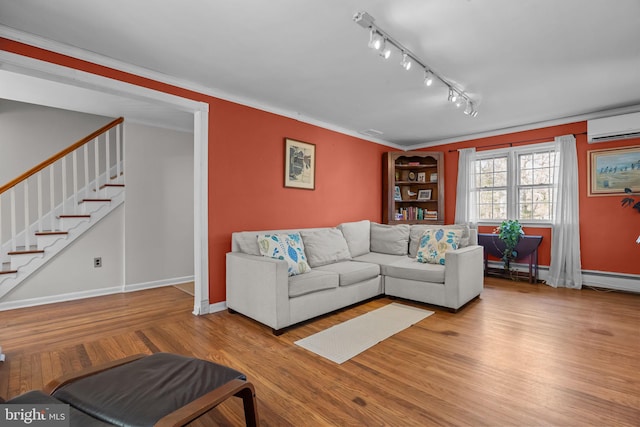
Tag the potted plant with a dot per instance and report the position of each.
(509, 231)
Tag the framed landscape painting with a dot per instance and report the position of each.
(613, 170)
(299, 164)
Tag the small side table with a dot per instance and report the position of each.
(527, 249)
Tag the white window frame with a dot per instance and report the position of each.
(512, 154)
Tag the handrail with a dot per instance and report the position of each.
(60, 155)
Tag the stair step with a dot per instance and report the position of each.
(51, 233)
(94, 200)
(5, 268)
(112, 185)
(26, 252)
(75, 216)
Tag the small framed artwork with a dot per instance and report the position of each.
(434, 177)
(422, 177)
(424, 194)
(299, 164)
(396, 194)
(613, 170)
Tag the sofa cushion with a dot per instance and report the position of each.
(390, 239)
(383, 260)
(417, 230)
(288, 247)
(248, 243)
(358, 236)
(313, 281)
(410, 269)
(435, 243)
(351, 272)
(325, 246)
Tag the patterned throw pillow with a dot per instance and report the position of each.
(434, 243)
(288, 247)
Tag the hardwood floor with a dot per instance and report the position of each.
(522, 355)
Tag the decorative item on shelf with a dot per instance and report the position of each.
(414, 163)
(299, 164)
(422, 177)
(424, 194)
(397, 175)
(434, 177)
(509, 231)
(397, 196)
(411, 193)
(411, 176)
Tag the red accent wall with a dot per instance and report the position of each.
(246, 168)
(607, 231)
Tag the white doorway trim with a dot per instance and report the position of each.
(53, 72)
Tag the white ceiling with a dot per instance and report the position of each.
(526, 62)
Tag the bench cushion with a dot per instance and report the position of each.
(351, 272)
(141, 392)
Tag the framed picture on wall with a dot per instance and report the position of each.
(613, 170)
(299, 164)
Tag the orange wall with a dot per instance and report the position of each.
(607, 231)
(246, 166)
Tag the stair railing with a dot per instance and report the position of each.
(96, 160)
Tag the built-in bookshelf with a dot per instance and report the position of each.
(413, 187)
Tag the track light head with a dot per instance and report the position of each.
(469, 108)
(376, 41)
(385, 50)
(406, 62)
(453, 96)
(428, 78)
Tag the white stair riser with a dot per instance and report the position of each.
(48, 240)
(70, 223)
(90, 207)
(18, 261)
(109, 192)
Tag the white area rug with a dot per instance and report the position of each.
(341, 342)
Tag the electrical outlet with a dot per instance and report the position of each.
(97, 262)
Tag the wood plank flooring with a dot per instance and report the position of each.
(521, 355)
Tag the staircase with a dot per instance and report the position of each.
(44, 210)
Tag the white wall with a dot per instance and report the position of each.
(159, 204)
(30, 134)
(146, 242)
(72, 271)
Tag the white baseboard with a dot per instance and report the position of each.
(32, 302)
(157, 283)
(599, 279)
(219, 306)
(71, 296)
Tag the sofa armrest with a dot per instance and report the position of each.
(258, 287)
(464, 275)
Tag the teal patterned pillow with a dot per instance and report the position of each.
(434, 243)
(286, 247)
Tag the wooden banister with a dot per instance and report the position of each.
(60, 155)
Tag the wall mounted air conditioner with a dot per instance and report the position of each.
(613, 128)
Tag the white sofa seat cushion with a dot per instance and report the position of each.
(313, 281)
(351, 272)
(410, 269)
(383, 260)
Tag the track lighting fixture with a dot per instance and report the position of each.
(406, 62)
(382, 42)
(428, 78)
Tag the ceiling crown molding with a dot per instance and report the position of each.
(82, 54)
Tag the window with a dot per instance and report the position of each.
(515, 183)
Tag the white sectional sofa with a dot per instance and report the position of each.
(349, 264)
